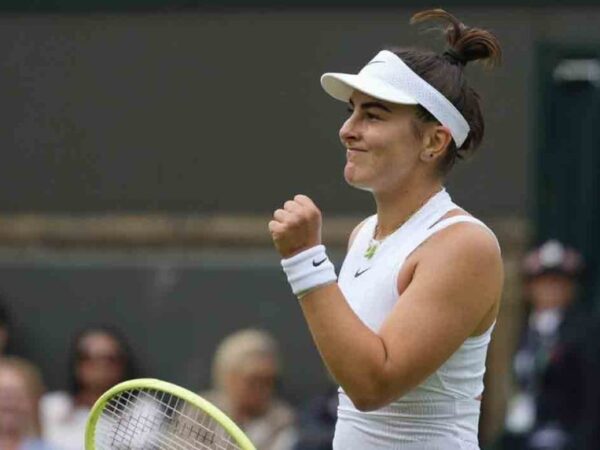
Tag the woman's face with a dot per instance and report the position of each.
(100, 362)
(382, 145)
(251, 386)
(17, 403)
(551, 290)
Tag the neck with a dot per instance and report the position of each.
(88, 397)
(240, 415)
(395, 208)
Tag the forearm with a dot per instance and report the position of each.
(355, 355)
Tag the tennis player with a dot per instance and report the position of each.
(405, 328)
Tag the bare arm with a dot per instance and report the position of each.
(456, 283)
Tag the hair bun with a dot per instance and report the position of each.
(455, 57)
(465, 44)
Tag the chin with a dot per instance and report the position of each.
(353, 180)
(359, 185)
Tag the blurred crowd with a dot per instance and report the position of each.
(554, 403)
(246, 371)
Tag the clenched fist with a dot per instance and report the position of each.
(296, 227)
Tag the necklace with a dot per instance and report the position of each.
(375, 243)
(372, 248)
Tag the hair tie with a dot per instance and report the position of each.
(455, 57)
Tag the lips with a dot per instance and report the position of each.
(360, 150)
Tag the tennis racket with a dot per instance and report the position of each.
(148, 414)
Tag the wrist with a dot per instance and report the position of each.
(309, 269)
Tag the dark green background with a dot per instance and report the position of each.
(116, 5)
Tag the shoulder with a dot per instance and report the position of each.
(467, 242)
(283, 411)
(216, 397)
(464, 261)
(56, 403)
(278, 416)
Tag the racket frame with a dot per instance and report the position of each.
(163, 386)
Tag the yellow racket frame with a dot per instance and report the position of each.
(149, 383)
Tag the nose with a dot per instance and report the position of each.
(349, 131)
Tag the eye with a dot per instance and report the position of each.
(372, 116)
(349, 111)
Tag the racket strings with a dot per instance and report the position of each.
(146, 419)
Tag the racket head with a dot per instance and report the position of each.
(117, 409)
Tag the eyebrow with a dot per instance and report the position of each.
(368, 105)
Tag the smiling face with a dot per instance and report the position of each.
(384, 144)
(17, 403)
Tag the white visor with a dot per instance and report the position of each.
(388, 78)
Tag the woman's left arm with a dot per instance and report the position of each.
(456, 283)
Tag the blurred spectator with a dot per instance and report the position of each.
(556, 369)
(20, 390)
(4, 327)
(100, 358)
(245, 372)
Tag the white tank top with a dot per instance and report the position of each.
(443, 411)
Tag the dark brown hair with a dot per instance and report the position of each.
(445, 73)
(130, 369)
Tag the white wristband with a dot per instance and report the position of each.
(309, 269)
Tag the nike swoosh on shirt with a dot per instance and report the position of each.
(360, 272)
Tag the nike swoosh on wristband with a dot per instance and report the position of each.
(360, 272)
(317, 264)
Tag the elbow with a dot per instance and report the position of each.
(369, 397)
(366, 400)
(365, 404)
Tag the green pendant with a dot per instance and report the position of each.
(371, 249)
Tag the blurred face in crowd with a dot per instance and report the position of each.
(251, 385)
(18, 405)
(551, 290)
(100, 362)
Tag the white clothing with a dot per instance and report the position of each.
(63, 423)
(442, 412)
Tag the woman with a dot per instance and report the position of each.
(20, 390)
(245, 369)
(100, 358)
(405, 329)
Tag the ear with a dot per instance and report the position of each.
(436, 140)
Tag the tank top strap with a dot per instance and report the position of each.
(444, 223)
(425, 234)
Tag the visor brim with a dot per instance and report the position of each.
(341, 86)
